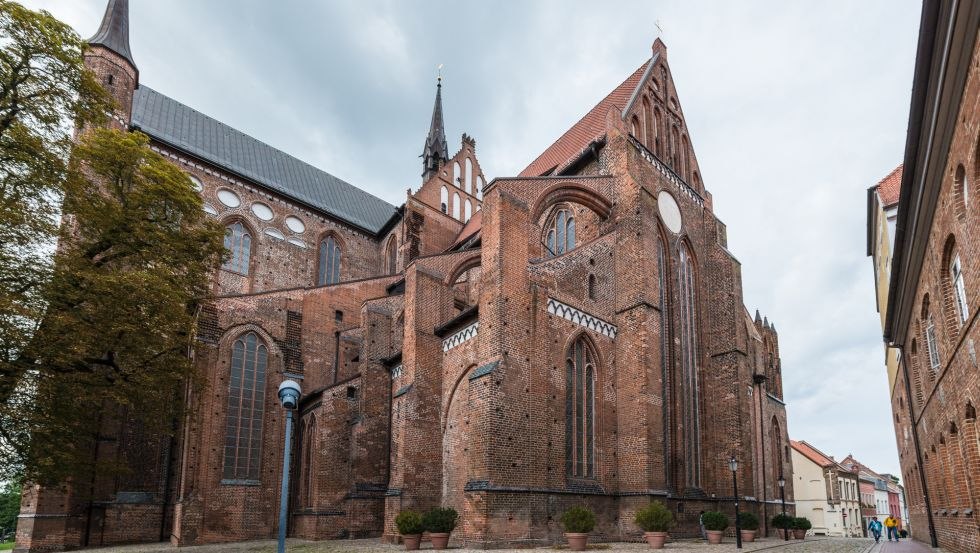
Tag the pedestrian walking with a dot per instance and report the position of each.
(891, 525)
(875, 527)
(704, 536)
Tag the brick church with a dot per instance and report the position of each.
(571, 335)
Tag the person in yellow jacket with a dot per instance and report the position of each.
(891, 524)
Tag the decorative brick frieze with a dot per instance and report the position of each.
(582, 318)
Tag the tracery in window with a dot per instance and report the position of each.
(580, 376)
(246, 406)
(560, 232)
(238, 241)
(330, 257)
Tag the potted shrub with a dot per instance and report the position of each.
(410, 526)
(715, 524)
(578, 522)
(439, 523)
(800, 526)
(749, 523)
(783, 522)
(655, 520)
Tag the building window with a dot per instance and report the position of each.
(238, 242)
(391, 256)
(468, 210)
(931, 344)
(689, 367)
(246, 405)
(330, 256)
(456, 205)
(560, 237)
(580, 367)
(959, 289)
(469, 176)
(444, 200)
(456, 177)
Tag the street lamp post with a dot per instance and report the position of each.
(782, 496)
(289, 392)
(733, 465)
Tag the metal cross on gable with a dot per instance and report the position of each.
(660, 30)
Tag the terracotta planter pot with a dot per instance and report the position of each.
(714, 536)
(576, 541)
(412, 541)
(799, 534)
(748, 536)
(439, 541)
(655, 539)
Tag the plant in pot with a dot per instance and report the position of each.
(715, 524)
(655, 519)
(800, 526)
(783, 522)
(440, 522)
(578, 522)
(410, 526)
(749, 523)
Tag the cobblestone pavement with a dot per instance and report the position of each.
(810, 545)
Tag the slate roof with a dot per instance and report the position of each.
(589, 128)
(168, 121)
(890, 187)
(113, 33)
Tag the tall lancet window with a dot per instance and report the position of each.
(329, 270)
(246, 405)
(560, 233)
(580, 377)
(238, 242)
(689, 367)
(665, 372)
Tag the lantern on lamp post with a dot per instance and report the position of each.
(733, 465)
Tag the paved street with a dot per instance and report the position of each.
(810, 545)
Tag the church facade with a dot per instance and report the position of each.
(572, 335)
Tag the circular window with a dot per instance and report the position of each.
(229, 198)
(296, 242)
(295, 224)
(209, 209)
(275, 233)
(196, 183)
(670, 213)
(262, 211)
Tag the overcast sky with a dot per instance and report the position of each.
(794, 108)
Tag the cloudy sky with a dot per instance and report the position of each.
(794, 108)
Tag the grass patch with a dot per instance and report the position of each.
(6, 546)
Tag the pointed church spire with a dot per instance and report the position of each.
(758, 317)
(436, 150)
(114, 31)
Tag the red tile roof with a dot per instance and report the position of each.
(588, 128)
(471, 227)
(890, 187)
(812, 453)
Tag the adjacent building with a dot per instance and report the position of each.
(874, 490)
(932, 300)
(826, 493)
(572, 335)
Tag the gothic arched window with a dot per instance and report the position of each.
(391, 256)
(246, 405)
(330, 255)
(689, 366)
(456, 205)
(444, 200)
(932, 347)
(580, 377)
(467, 210)
(560, 233)
(238, 241)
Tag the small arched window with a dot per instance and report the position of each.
(930, 335)
(330, 257)
(580, 376)
(959, 289)
(479, 187)
(444, 199)
(391, 256)
(468, 210)
(456, 175)
(469, 176)
(456, 205)
(238, 241)
(246, 406)
(635, 127)
(560, 233)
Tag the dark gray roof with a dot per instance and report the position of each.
(177, 125)
(113, 33)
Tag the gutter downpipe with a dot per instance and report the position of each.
(918, 452)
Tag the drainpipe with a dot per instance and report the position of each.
(918, 451)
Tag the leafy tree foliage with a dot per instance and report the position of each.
(9, 507)
(44, 90)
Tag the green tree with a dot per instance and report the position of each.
(9, 507)
(45, 92)
(133, 265)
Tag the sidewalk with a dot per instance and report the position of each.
(903, 546)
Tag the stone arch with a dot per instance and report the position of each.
(574, 193)
(462, 266)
